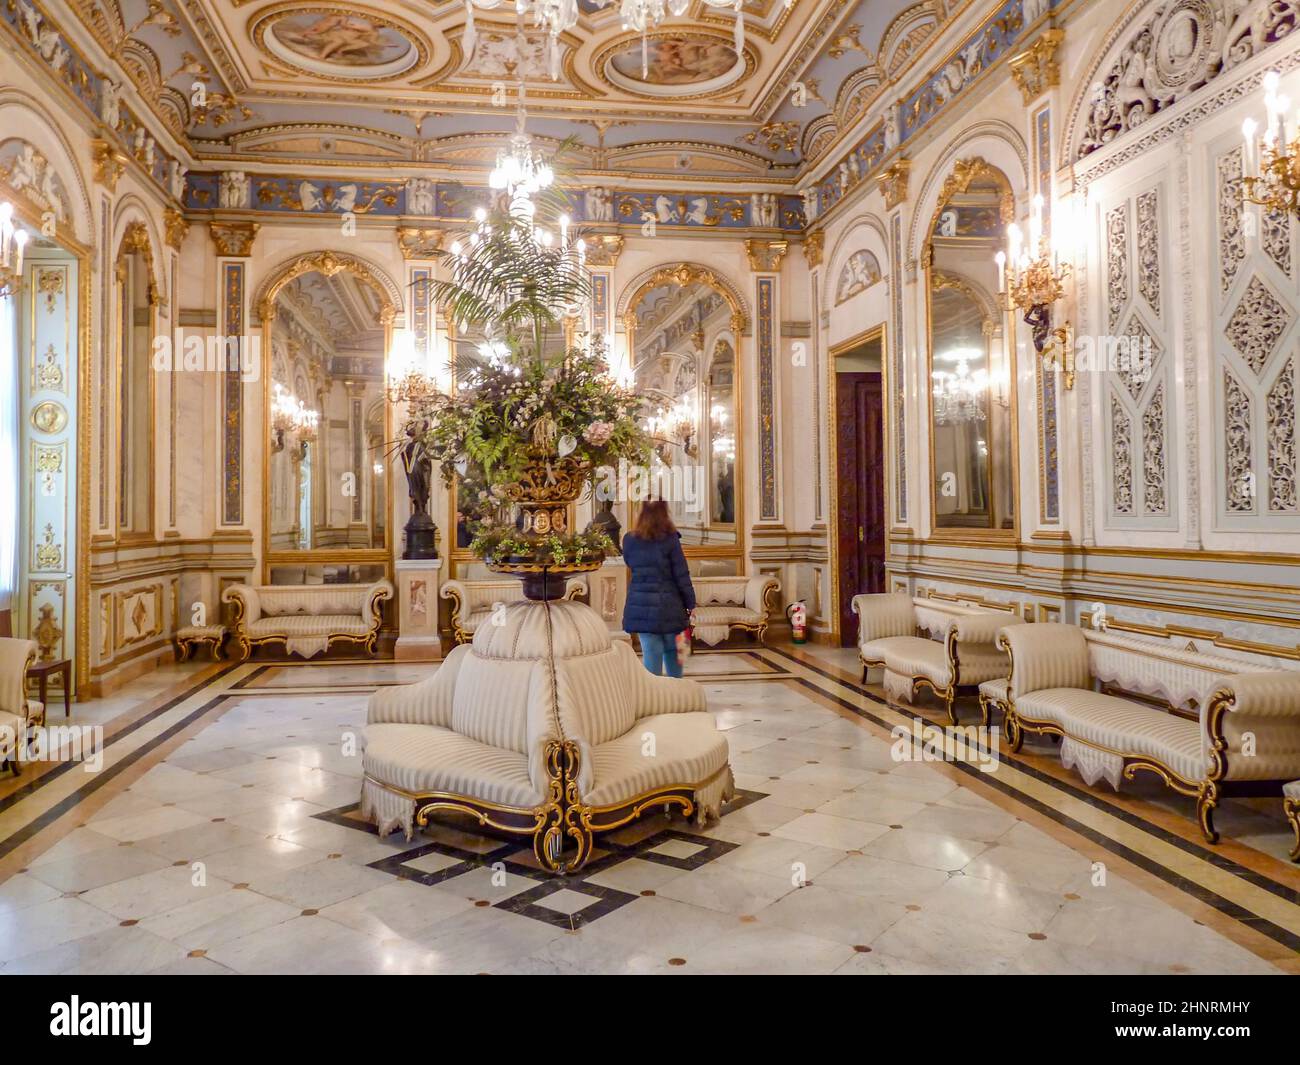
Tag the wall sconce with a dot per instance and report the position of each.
(1032, 278)
(406, 381)
(12, 242)
(291, 417)
(1274, 185)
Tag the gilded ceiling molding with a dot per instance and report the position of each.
(681, 275)
(765, 255)
(1035, 70)
(135, 240)
(328, 263)
(419, 243)
(965, 171)
(234, 238)
(814, 245)
(176, 227)
(893, 182)
(603, 249)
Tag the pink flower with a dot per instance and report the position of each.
(597, 434)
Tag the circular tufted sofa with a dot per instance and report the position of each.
(543, 726)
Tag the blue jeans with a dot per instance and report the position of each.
(659, 653)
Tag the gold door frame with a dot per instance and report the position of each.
(135, 239)
(832, 423)
(67, 241)
(684, 274)
(327, 263)
(965, 171)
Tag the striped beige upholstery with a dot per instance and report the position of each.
(424, 758)
(724, 602)
(427, 702)
(995, 689)
(661, 751)
(308, 625)
(480, 725)
(884, 614)
(475, 602)
(1121, 726)
(1047, 655)
(978, 662)
(307, 616)
(910, 656)
(1264, 708)
(15, 656)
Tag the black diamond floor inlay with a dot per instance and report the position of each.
(500, 849)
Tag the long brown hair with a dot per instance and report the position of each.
(653, 523)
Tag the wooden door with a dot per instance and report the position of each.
(859, 454)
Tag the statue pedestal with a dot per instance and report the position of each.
(607, 588)
(417, 610)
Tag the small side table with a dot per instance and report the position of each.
(188, 637)
(41, 673)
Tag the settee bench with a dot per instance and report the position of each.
(945, 646)
(727, 604)
(542, 726)
(474, 601)
(1233, 727)
(307, 618)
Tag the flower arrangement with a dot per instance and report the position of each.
(533, 416)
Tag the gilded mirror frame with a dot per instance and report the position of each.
(684, 274)
(135, 241)
(964, 173)
(327, 263)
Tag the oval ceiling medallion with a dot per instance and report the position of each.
(340, 44)
(674, 64)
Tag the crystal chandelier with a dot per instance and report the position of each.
(291, 416)
(959, 396)
(12, 242)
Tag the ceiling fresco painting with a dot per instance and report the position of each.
(819, 96)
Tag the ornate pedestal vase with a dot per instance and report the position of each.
(544, 494)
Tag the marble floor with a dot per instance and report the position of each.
(221, 836)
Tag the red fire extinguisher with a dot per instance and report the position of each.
(798, 615)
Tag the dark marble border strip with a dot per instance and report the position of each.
(32, 786)
(70, 801)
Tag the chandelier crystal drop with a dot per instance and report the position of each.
(554, 16)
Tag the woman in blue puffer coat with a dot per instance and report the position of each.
(660, 597)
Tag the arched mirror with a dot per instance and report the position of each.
(682, 332)
(137, 302)
(971, 399)
(327, 425)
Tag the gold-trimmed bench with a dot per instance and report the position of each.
(1238, 734)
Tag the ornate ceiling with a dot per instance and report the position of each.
(250, 81)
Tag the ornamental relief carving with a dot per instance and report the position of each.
(1257, 322)
(1276, 234)
(1116, 262)
(1239, 474)
(1181, 46)
(1122, 458)
(1148, 248)
(1232, 241)
(1281, 411)
(1155, 498)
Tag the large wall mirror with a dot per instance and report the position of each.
(327, 425)
(137, 304)
(971, 371)
(683, 330)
